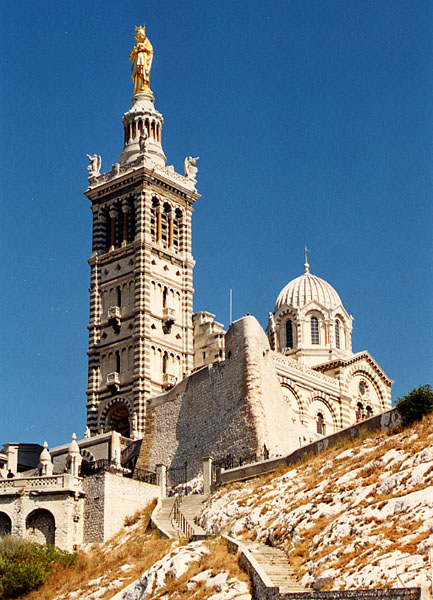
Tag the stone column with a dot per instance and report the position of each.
(170, 230)
(158, 224)
(161, 479)
(115, 448)
(113, 215)
(125, 210)
(12, 454)
(207, 475)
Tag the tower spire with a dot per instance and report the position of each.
(306, 265)
(142, 123)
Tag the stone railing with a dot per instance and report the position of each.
(64, 482)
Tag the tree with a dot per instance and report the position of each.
(415, 404)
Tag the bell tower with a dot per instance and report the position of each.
(141, 267)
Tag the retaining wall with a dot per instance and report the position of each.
(382, 422)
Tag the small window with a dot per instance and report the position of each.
(289, 334)
(315, 330)
(337, 334)
(320, 424)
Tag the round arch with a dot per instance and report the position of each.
(373, 395)
(87, 459)
(5, 524)
(320, 408)
(41, 526)
(299, 406)
(116, 416)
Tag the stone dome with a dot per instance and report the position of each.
(300, 291)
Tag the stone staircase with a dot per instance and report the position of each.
(175, 518)
(180, 525)
(275, 564)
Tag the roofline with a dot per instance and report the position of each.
(345, 362)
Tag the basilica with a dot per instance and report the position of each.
(167, 386)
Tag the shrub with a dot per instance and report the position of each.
(415, 404)
(24, 566)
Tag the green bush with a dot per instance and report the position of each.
(24, 566)
(415, 404)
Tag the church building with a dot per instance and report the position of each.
(167, 386)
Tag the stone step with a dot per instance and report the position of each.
(275, 563)
(189, 508)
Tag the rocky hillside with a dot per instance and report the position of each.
(139, 564)
(357, 516)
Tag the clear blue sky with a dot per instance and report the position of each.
(313, 123)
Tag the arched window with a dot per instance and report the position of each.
(320, 424)
(117, 361)
(164, 362)
(289, 334)
(359, 412)
(369, 412)
(119, 295)
(337, 333)
(315, 330)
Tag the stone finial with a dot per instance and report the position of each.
(73, 446)
(73, 460)
(45, 462)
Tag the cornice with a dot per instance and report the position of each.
(364, 355)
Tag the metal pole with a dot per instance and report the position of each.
(231, 306)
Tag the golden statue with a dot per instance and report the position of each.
(141, 56)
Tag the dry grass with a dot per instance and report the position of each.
(219, 560)
(141, 550)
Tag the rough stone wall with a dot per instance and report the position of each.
(66, 510)
(93, 512)
(383, 422)
(110, 498)
(235, 406)
(40, 527)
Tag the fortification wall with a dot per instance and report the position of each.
(235, 406)
(110, 498)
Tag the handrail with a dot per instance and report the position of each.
(176, 517)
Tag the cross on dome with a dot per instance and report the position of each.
(306, 265)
